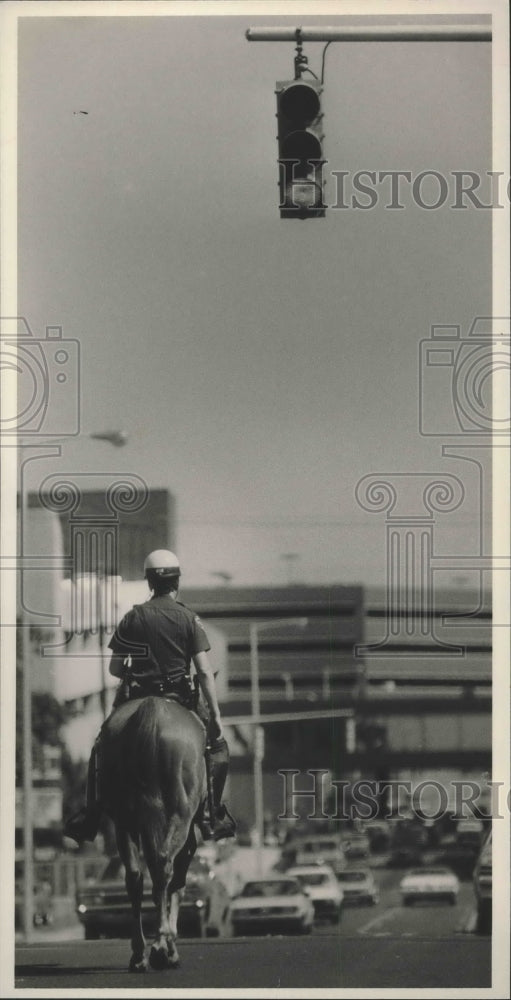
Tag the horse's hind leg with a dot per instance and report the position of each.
(164, 953)
(130, 856)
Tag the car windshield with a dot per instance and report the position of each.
(352, 877)
(276, 888)
(312, 878)
(429, 871)
(199, 867)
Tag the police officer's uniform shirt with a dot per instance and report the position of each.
(161, 636)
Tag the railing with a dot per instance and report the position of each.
(324, 684)
(291, 685)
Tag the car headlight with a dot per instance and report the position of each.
(82, 908)
(199, 903)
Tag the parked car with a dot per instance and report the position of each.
(104, 909)
(483, 878)
(358, 886)
(275, 903)
(324, 890)
(429, 883)
(324, 848)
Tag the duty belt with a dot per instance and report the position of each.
(183, 688)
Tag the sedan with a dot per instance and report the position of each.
(272, 904)
(323, 888)
(323, 848)
(429, 883)
(358, 886)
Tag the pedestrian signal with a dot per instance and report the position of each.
(300, 138)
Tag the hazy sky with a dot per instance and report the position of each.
(260, 366)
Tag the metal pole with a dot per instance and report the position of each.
(375, 33)
(28, 829)
(101, 638)
(257, 756)
(117, 438)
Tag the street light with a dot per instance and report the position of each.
(117, 439)
(258, 744)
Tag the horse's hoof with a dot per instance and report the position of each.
(135, 966)
(159, 959)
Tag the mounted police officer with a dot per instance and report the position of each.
(152, 651)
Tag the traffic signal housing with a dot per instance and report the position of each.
(300, 144)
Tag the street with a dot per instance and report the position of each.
(386, 945)
(329, 960)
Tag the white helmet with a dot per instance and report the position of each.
(161, 563)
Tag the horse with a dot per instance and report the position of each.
(153, 778)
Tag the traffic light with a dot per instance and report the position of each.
(300, 138)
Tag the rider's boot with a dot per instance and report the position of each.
(223, 825)
(85, 823)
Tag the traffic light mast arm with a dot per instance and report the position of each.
(375, 33)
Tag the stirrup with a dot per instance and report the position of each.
(225, 825)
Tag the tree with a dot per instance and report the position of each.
(48, 718)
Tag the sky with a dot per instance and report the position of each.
(260, 367)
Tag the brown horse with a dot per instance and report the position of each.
(153, 780)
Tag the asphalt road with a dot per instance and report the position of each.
(315, 962)
(375, 947)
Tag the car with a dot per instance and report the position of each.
(429, 883)
(482, 880)
(356, 845)
(470, 834)
(324, 848)
(408, 841)
(358, 886)
(324, 890)
(275, 903)
(204, 909)
(104, 910)
(378, 833)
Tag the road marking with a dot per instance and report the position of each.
(377, 921)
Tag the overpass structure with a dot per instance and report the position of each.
(341, 679)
